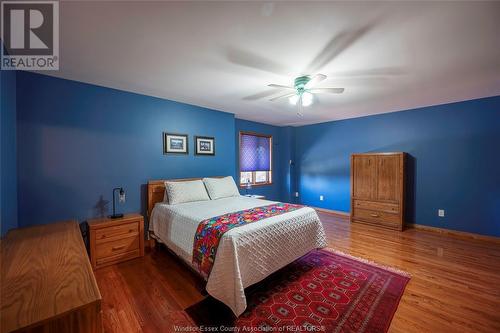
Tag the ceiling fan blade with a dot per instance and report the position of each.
(338, 44)
(384, 72)
(315, 80)
(282, 96)
(280, 86)
(327, 90)
(252, 60)
(260, 95)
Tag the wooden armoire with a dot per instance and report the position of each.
(377, 189)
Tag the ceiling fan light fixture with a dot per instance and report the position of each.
(294, 99)
(307, 98)
(303, 91)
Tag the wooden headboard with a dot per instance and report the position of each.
(156, 190)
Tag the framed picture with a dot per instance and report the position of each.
(204, 145)
(175, 143)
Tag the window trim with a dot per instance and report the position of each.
(270, 137)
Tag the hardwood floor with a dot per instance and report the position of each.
(455, 285)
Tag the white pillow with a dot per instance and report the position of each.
(221, 187)
(185, 191)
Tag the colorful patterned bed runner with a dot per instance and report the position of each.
(210, 231)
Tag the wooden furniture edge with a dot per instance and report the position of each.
(454, 233)
(104, 222)
(403, 187)
(36, 326)
(89, 266)
(156, 189)
(381, 153)
(96, 303)
(150, 243)
(338, 213)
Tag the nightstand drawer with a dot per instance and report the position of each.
(118, 246)
(104, 234)
(118, 258)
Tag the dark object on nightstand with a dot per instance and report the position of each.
(248, 186)
(121, 198)
(116, 240)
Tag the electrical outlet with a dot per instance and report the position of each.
(441, 212)
(321, 198)
(296, 194)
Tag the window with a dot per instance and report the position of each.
(255, 159)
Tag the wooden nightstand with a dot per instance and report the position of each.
(116, 240)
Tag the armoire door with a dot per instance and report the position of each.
(364, 176)
(388, 177)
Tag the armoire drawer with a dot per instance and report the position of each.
(376, 216)
(379, 206)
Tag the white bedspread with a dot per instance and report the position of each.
(246, 254)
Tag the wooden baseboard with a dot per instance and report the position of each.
(454, 233)
(337, 213)
(449, 232)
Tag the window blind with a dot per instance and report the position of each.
(255, 153)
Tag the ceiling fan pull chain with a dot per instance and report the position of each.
(299, 107)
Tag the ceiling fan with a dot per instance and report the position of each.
(303, 90)
(304, 87)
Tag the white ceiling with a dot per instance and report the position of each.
(388, 56)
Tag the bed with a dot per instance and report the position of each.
(246, 254)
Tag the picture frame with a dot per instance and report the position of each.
(175, 143)
(204, 145)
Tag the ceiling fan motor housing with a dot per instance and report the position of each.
(300, 83)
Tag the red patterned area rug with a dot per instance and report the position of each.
(327, 291)
(324, 291)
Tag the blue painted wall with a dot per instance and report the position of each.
(288, 173)
(454, 161)
(77, 141)
(8, 171)
(282, 153)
